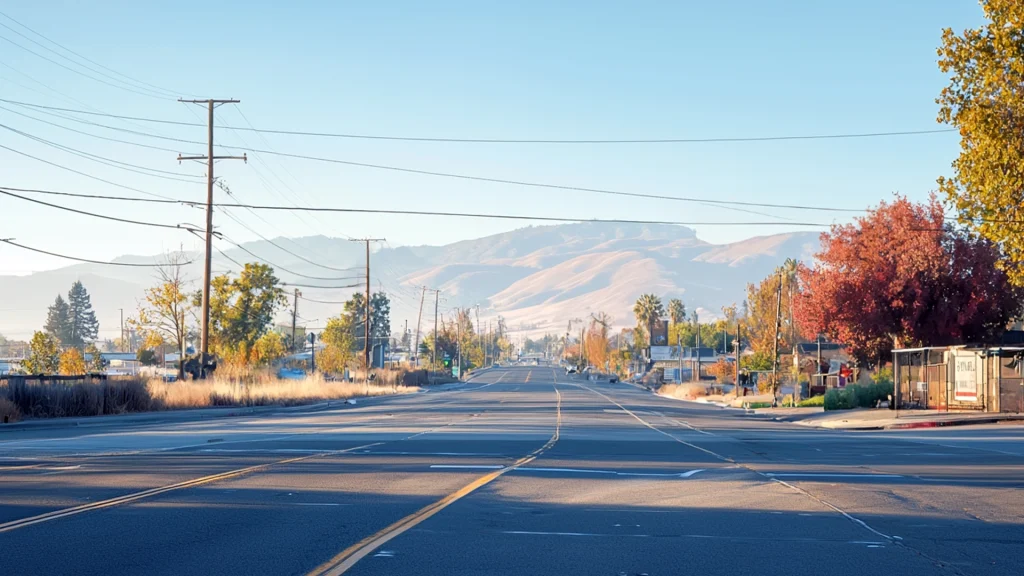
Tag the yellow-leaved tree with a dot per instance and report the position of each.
(72, 363)
(985, 102)
(166, 313)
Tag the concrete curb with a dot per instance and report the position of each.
(945, 423)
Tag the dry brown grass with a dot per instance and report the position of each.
(9, 412)
(118, 395)
(685, 391)
(261, 391)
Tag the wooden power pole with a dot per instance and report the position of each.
(419, 319)
(366, 317)
(295, 313)
(210, 104)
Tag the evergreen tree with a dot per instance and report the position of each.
(83, 326)
(58, 321)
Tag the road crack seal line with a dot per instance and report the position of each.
(348, 557)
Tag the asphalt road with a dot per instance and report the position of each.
(520, 471)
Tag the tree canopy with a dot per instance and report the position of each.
(83, 326)
(242, 309)
(984, 102)
(903, 276)
(44, 354)
(166, 312)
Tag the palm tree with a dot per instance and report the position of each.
(647, 309)
(676, 310)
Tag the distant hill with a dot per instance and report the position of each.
(536, 277)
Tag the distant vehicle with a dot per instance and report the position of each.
(495, 365)
(570, 370)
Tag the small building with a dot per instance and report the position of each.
(968, 377)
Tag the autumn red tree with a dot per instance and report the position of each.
(903, 276)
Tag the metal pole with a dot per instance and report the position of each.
(366, 325)
(433, 353)
(775, 344)
(458, 340)
(736, 345)
(696, 365)
(295, 312)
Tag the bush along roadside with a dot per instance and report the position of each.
(857, 396)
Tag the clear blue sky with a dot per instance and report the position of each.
(482, 69)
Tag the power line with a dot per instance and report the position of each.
(67, 49)
(518, 217)
(836, 136)
(91, 196)
(323, 287)
(557, 186)
(322, 301)
(145, 171)
(84, 133)
(437, 213)
(22, 246)
(149, 94)
(52, 51)
(103, 216)
(282, 248)
(80, 173)
(282, 268)
(402, 169)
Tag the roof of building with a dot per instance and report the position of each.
(812, 347)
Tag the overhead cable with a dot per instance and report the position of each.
(129, 264)
(775, 138)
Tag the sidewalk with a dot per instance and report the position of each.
(883, 419)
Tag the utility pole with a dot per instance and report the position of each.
(458, 340)
(736, 345)
(366, 324)
(696, 373)
(210, 158)
(295, 313)
(122, 330)
(433, 353)
(419, 319)
(775, 345)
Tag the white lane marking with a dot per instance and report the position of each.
(263, 451)
(468, 466)
(384, 554)
(613, 472)
(690, 426)
(694, 536)
(821, 501)
(532, 533)
(827, 475)
(319, 504)
(387, 453)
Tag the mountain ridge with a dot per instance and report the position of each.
(537, 276)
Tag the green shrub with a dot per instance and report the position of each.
(857, 396)
(813, 401)
(883, 376)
